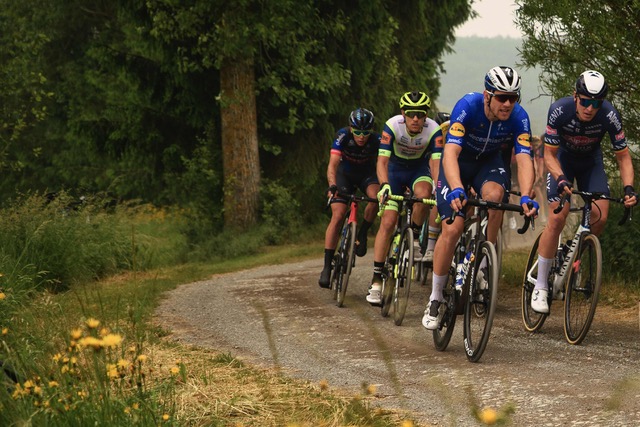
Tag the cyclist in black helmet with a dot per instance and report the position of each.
(575, 128)
(352, 165)
(408, 141)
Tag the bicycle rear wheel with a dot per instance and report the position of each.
(348, 258)
(583, 289)
(442, 335)
(481, 303)
(405, 272)
(533, 320)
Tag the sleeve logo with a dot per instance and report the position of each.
(457, 130)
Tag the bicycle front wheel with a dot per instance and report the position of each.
(348, 259)
(442, 334)
(482, 299)
(533, 320)
(583, 289)
(405, 272)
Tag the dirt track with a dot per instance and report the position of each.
(278, 316)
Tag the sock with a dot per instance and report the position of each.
(434, 232)
(377, 271)
(328, 257)
(437, 286)
(544, 264)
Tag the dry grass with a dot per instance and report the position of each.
(220, 390)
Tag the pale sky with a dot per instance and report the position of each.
(496, 19)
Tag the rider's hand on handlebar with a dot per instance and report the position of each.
(564, 186)
(385, 190)
(630, 196)
(530, 206)
(332, 190)
(457, 198)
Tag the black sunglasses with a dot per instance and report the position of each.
(502, 98)
(421, 114)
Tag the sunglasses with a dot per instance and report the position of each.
(502, 98)
(358, 132)
(421, 114)
(588, 102)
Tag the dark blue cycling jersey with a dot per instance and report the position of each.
(356, 159)
(564, 130)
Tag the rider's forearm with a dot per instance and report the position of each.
(526, 173)
(626, 168)
(382, 169)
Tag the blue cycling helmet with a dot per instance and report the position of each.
(361, 118)
(504, 79)
(592, 84)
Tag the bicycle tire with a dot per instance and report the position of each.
(333, 282)
(583, 289)
(347, 261)
(388, 281)
(477, 328)
(532, 320)
(405, 272)
(442, 334)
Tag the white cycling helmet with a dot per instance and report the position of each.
(502, 78)
(592, 84)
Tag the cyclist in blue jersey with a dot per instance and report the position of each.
(352, 165)
(480, 123)
(575, 128)
(404, 160)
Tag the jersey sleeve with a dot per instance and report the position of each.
(554, 118)
(522, 132)
(340, 139)
(386, 141)
(616, 132)
(459, 116)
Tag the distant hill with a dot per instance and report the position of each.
(473, 57)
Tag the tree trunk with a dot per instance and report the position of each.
(240, 161)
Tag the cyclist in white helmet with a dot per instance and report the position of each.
(480, 124)
(576, 126)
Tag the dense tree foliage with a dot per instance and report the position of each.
(125, 97)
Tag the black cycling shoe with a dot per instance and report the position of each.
(361, 247)
(325, 278)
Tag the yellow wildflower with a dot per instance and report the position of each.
(37, 390)
(92, 323)
(103, 332)
(175, 370)
(111, 340)
(165, 417)
(28, 384)
(127, 410)
(91, 342)
(5, 331)
(123, 364)
(142, 358)
(57, 357)
(136, 405)
(76, 333)
(73, 360)
(2, 295)
(53, 384)
(112, 372)
(64, 369)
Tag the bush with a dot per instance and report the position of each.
(619, 247)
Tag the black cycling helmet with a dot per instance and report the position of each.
(592, 84)
(415, 101)
(504, 79)
(442, 117)
(361, 118)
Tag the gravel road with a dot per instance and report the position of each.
(278, 316)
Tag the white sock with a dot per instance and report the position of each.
(434, 232)
(544, 264)
(437, 285)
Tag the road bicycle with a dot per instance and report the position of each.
(399, 269)
(345, 258)
(575, 275)
(472, 283)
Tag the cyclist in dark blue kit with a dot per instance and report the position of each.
(576, 126)
(480, 124)
(352, 165)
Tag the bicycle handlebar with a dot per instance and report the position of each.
(528, 221)
(590, 197)
(350, 197)
(403, 198)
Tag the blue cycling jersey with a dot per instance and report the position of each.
(564, 130)
(478, 136)
(356, 159)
